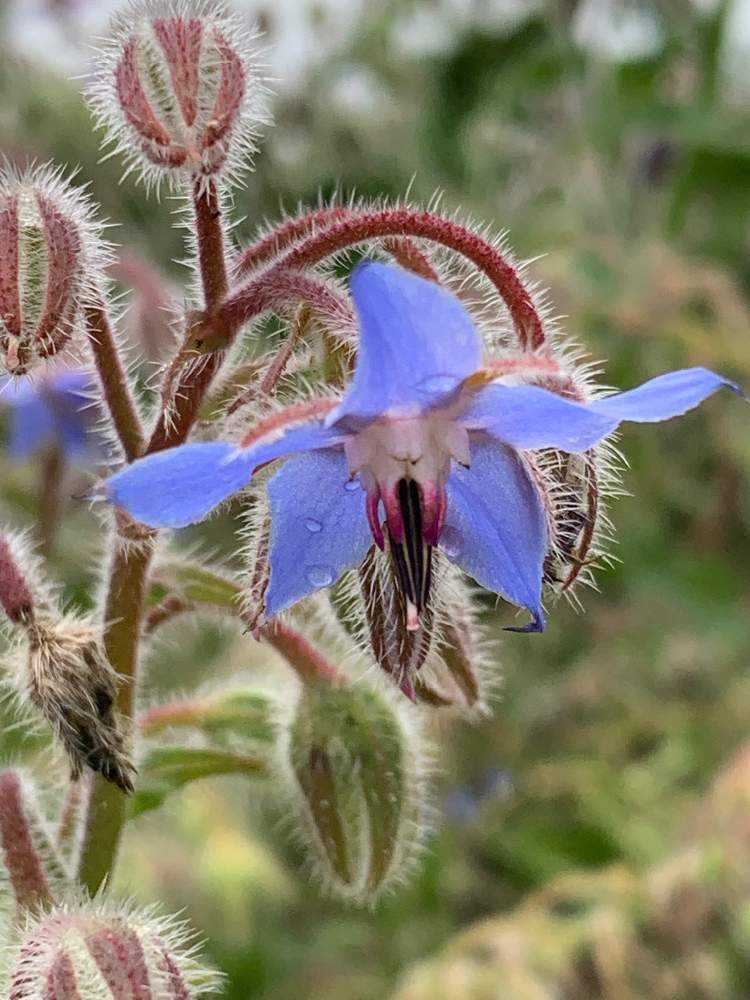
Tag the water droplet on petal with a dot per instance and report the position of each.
(437, 385)
(351, 485)
(450, 542)
(319, 576)
(312, 525)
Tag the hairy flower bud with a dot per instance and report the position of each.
(51, 256)
(86, 950)
(177, 89)
(399, 651)
(357, 773)
(29, 863)
(71, 682)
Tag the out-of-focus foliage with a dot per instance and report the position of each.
(585, 846)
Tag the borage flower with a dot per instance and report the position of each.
(54, 411)
(425, 449)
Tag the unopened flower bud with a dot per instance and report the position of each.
(398, 650)
(85, 950)
(16, 597)
(51, 256)
(178, 89)
(358, 787)
(34, 872)
(70, 681)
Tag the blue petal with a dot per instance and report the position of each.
(70, 399)
(318, 526)
(664, 396)
(530, 417)
(179, 486)
(31, 425)
(416, 344)
(495, 527)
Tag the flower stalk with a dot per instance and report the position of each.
(123, 617)
(117, 392)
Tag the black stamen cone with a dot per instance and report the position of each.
(412, 559)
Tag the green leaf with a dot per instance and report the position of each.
(167, 769)
(194, 583)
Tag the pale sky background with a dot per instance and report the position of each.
(305, 32)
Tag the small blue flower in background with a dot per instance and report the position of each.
(53, 410)
(416, 447)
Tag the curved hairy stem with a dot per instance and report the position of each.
(399, 222)
(284, 236)
(214, 332)
(307, 661)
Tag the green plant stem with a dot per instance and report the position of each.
(123, 616)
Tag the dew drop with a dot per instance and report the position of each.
(312, 525)
(351, 485)
(319, 576)
(437, 384)
(450, 542)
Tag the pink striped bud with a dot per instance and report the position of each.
(51, 256)
(177, 89)
(89, 950)
(29, 863)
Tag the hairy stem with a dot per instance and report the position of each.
(307, 661)
(51, 476)
(183, 394)
(282, 237)
(123, 410)
(366, 226)
(211, 245)
(279, 290)
(123, 616)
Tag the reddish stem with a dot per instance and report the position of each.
(209, 233)
(279, 287)
(409, 222)
(119, 399)
(405, 251)
(271, 291)
(283, 236)
(295, 413)
(310, 665)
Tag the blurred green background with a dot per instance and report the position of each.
(593, 837)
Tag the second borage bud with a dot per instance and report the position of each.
(356, 766)
(51, 262)
(178, 90)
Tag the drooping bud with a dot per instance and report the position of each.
(398, 649)
(51, 257)
(455, 672)
(70, 681)
(86, 950)
(32, 868)
(178, 89)
(356, 769)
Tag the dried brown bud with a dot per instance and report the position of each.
(73, 685)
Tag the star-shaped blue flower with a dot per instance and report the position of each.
(417, 453)
(53, 410)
